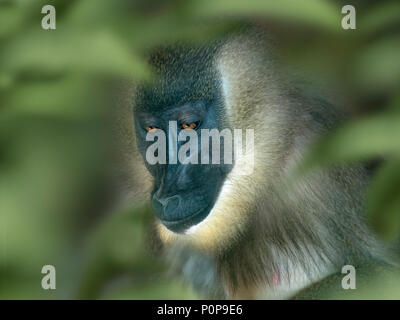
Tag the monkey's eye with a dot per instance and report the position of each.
(152, 128)
(189, 126)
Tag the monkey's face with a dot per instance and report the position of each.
(183, 193)
(184, 101)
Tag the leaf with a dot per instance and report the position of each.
(378, 67)
(379, 17)
(383, 201)
(372, 136)
(69, 96)
(95, 52)
(320, 13)
(10, 18)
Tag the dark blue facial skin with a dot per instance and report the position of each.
(186, 92)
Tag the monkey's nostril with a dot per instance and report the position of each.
(171, 204)
(168, 206)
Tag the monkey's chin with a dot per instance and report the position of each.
(211, 234)
(219, 230)
(181, 226)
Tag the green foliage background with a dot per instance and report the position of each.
(56, 146)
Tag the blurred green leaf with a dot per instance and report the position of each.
(384, 200)
(379, 16)
(11, 17)
(70, 96)
(323, 14)
(119, 265)
(97, 52)
(357, 140)
(381, 285)
(378, 67)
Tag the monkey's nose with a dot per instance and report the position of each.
(168, 206)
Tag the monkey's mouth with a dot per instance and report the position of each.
(181, 225)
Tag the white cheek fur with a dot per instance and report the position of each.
(226, 187)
